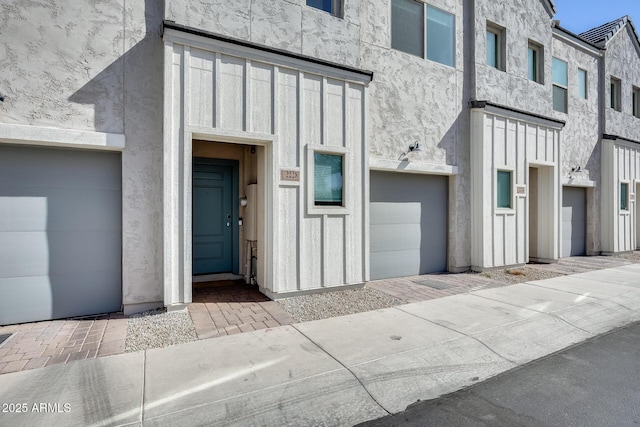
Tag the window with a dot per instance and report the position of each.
(560, 84)
(635, 99)
(535, 62)
(504, 189)
(327, 179)
(624, 196)
(615, 94)
(582, 83)
(334, 7)
(434, 41)
(495, 46)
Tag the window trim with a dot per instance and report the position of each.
(538, 51)
(615, 93)
(338, 8)
(312, 208)
(500, 33)
(511, 208)
(635, 101)
(624, 208)
(561, 86)
(586, 83)
(425, 23)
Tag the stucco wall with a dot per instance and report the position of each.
(60, 64)
(623, 62)
(522, 20)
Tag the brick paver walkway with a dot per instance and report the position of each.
(234, 308)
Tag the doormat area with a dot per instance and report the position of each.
(3, 338)
(432, 284)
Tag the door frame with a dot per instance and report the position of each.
(235, 206)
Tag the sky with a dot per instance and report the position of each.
(578, 16)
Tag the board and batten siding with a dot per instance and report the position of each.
(620, 164)
(500, 236)
(290, 111)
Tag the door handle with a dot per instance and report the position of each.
(228, 224)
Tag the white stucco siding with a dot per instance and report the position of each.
(287, 25)
(621, 164)
(523, 20)
(622, 62)
(500, 236)
(291, 112)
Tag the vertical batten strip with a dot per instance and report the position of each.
(273, 188)
(247, 101)
(323, 111)
(323, 250)
(301, 253)
(216, 90)
(347, 123)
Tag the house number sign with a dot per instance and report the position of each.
(289, 175)
(521, 190)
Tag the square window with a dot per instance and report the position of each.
(504, 189)
(535, 62)
(635, 99)
(560, 84)
(327, 179)
(624, 196)
(423, 30)
(582, 83)
(615, 94)
(495, 46)
(334, 7)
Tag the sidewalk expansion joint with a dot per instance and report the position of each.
(463, 334)
(364, 387)
(550, 314)
(608, 299)
(144, 385)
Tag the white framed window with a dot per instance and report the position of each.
(560, 85)
(327, 171)
(535, 62)
(334, 7)
(504, 199)
(582, 84)
(423, 30)
(615, 94)
(635, 102)
(495, 46)
(624, 196)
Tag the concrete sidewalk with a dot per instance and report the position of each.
(338, 371)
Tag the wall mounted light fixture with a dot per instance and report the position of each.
(413, 148)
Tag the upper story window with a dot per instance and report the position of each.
(582, 83)
(535, 62)
(635, 99)
(334, 7)
(434, 41)
(615, 94)
(495, 46)
(560, 85)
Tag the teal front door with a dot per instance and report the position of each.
(215, 216)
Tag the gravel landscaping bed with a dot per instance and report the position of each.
(157, 328)
(339, 303)
(631, 256)
(520, 275)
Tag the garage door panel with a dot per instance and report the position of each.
(395, 237)
(60, 233)
(385, 265)
(395, 213)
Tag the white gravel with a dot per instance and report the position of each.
(156, 329)
(339, 303)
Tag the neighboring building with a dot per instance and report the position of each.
(303, 145)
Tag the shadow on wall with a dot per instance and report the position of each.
(132, 84)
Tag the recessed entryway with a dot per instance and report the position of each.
(541, 214)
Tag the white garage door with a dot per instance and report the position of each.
(60, 233)
(574, 219)
(408, 224)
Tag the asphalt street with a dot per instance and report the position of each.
(596, 383)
